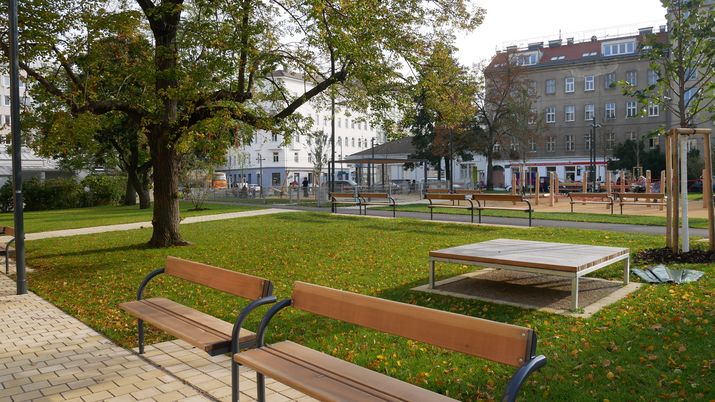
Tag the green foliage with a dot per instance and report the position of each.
(62, 193)
(103, 189)
(653, 345)
(631, 153)
(7, 200)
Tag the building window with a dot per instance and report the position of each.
(614, 49)
(588, 83)
(7, 100)
(5, 81)
(610, 111)
(587, 141)
(569, 84)
(610, 140)
(532, 145)
(526, 59)
(631, 135)
(325, 121)
(550, 143)
(570, 113)
(588, 112)
(570, 145)
(652, 77)
(609, 80)
(688, 95)
(275, 156)
(352, 125)
(340, 141)
(551, 114)
(653, 142)
(352, 142)
(653, 109)
(310, 158)
(295, 157)
(497, 148)
(533, 114)
(340, 122)
(631, 109)
(691, 74)
(570, 173)
(531, 87)
(7, 120)
(274, 137)
(550, 87)
(632, 77)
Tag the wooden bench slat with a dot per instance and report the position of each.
(504, 343)
(232, 282)
(445, 196)
(328, 378)
(201, 330)
(497, 197)
(7, 231)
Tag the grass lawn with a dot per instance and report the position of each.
(699, 223)
(42, 221)
(656, 344)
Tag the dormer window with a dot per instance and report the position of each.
(558, 58)
(618, 48)
(526, 59)
(588, 54)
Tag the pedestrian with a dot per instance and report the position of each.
(305, 187)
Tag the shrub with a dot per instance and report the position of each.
(7, 200)
(101, 189)
(51, 194)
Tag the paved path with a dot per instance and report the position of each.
(141, 225)
(47, 355)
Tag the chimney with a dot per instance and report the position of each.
(555, 43)
(569, 41)
(645, 31)
(536, 45)
(662, 28)
(594, 38)
(511, 48)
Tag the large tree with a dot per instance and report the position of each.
(502, 80)
(212, 60)
(444, 104)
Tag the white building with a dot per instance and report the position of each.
(32, 165)
(282, 164)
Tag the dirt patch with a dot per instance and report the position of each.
(665, 255)
(537, 291)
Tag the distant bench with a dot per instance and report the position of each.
(7, 248)
(590, 198)
(484, 197)
(328, 378)
(648, 199)
(481, 202)
(436, 200)
(343, 199)
(210, 334)
(383, 199)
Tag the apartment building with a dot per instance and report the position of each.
(573, 83)
(32, 165)
(282, 162)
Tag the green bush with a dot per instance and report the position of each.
(102, 189)
(51, 194)
(7, 201)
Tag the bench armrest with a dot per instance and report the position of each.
(235, 347)
(146, 280)
(261, 333)
(512, 388)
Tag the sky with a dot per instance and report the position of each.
(520, 21)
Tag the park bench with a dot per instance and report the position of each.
(590, 198)
(210, 334)
(344, 199)
(7, 248)
(454, 202)
(482, 198)
(324, 377)
(648, 199)
(383, 199)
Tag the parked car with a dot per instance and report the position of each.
(443, 183)
(345, 185)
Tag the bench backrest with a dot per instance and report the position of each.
(642, 195)
(342, 195)
(235, 283)
(497, 197)
(468, 191)
(588, 195)
(7, 231)
(445, 196)
(504, 343)
(373, 195)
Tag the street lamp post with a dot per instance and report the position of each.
(371, 166)
(592, 153)
(260, 160)
(451, 165)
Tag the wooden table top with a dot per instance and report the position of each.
(532, 254)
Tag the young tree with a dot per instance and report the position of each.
(501, 80)
(211, 66)
(685, 83)
(318, 142)
(524, 124)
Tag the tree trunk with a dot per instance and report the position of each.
(166, 219)
(130, 195)
(144, 199)
(490, 169)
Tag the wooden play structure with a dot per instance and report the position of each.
(676, 167)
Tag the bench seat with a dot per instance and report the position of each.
(327, 378)
(208, 333)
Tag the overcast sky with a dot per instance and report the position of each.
(521, 21)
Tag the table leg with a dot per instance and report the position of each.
(431, 274)
(627, 271)
(574, 292)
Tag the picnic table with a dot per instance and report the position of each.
(560, 259)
